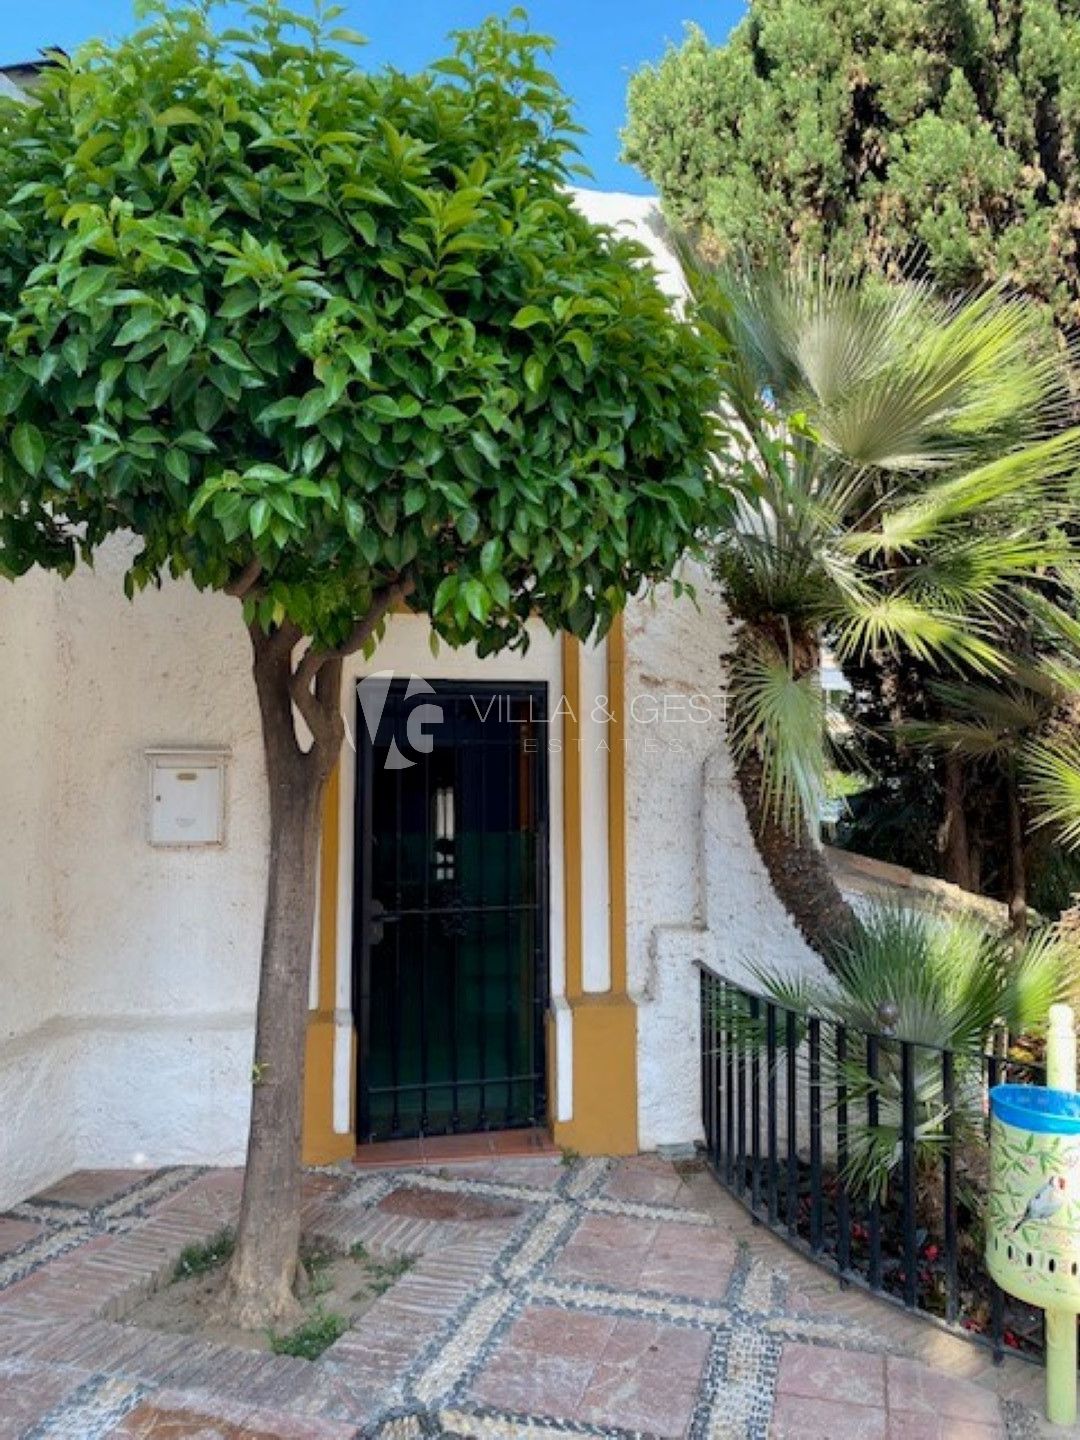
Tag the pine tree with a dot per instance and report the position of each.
(931, 134)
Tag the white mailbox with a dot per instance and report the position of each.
(187, 796)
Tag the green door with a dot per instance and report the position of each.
(451, 924)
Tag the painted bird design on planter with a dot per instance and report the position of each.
(1046, 1202)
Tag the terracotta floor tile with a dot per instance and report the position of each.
(915, 1388)
(544, 1365)
(444, 1205)
(795, 1417)
(150, 1421)
(87, 1189)
(816, 1372)
(647, 1378)
(552, 1385)
(543, 1330)
(523, 1142)
(592, 1266)
(483, 1145)
(288, 1427)
(389, 1153)
(661, 1404)
(685, 1260)
(645, 1180)
(456, 1147)
(652, 1346)
(26, 1395)
(934, 1427)
(607, 1250)
(15, 1233)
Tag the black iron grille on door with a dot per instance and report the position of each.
(451, 923)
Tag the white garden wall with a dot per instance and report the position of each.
(128, 973)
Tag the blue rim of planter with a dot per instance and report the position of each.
(1035, 1107)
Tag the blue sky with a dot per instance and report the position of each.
(600, 43)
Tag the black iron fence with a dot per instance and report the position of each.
(865, 1151)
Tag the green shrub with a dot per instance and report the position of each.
(198, 1259)
(308, 1341)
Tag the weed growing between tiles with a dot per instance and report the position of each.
(338, 1286)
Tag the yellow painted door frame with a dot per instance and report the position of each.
(604, 1025)
(322, 1144)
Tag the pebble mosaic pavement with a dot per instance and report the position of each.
(601, 1298)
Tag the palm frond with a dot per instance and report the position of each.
(889, 376)
(870, 619)
(1052, 770)
(779, 717)
(1043, 472)
(1041, 976)
(937, 981)
(966, 374)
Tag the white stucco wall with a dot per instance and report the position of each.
(697, 888)
(128, 973)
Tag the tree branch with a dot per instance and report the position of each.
(315, 685)
(243, 583)
(383, 603)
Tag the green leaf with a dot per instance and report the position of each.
(446, 592)
(283, 409)
(266, 474)
(383, 407)
(534, 374)
(230, 352)
(195, 440)
(239, 301)
(488, 447)
(28, 447)
(477, 599)
(137, 328)
(490, 556)
(528, 316)
(583, 344)
(178, 115)
(259, 517)
(312, 408)
(468, 523)
(178, 464)
(88, 283)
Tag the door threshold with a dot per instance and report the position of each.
(442, 1149)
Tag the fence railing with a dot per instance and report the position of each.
(862, 1149)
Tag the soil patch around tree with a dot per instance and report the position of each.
(339, 1286)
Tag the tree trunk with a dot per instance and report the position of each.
(955, 841)
(1018, 915)
(796, 862)
(260, 1286)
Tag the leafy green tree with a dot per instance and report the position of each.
(891, 133)
(329, 342)
(896, 500)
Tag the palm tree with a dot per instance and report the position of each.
(898, 463)
(990, 727)
(942, 982)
